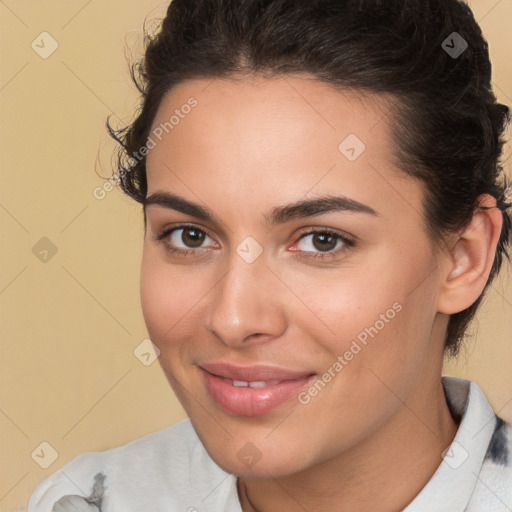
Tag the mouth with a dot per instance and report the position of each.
(252, 391)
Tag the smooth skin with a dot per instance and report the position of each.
(374, 435)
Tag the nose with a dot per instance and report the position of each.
(245, 306)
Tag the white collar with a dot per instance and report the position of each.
(452, 485)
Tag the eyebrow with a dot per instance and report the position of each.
(278, 215)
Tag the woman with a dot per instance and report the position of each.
(324, 210)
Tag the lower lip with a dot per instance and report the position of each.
(247, 401)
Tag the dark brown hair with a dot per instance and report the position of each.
(447, 123)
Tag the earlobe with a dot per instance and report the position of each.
(470, 260)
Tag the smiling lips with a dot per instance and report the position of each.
(250, 391)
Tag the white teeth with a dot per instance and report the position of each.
(257, 384)
(240, 383)
(252, 384)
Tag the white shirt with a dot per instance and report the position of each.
(170, 470)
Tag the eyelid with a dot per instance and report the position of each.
(348, 242)
(323, 229)
(166, 231)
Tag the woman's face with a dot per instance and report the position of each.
(334, 331)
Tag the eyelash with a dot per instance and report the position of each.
(348, 242)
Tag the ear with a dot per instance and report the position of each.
(470, 257)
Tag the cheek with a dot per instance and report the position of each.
(170, 299)
(375, 314)
(336, 305)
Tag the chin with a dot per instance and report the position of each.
(262, 469)
(254, 460)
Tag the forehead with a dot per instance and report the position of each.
(274, 140)
(263, 105)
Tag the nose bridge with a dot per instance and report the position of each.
(242, 304)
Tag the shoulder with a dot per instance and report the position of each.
(478, 462)
(493, 489)
(499, 451)
(154, 469)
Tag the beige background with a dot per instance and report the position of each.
(70, 325)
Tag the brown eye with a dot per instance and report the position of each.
(324, 243)
(183, 240)
(192, 237)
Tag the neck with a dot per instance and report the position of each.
(406, 451)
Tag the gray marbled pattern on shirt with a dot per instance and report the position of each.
(75, 503)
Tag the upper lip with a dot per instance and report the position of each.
(252, 373)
